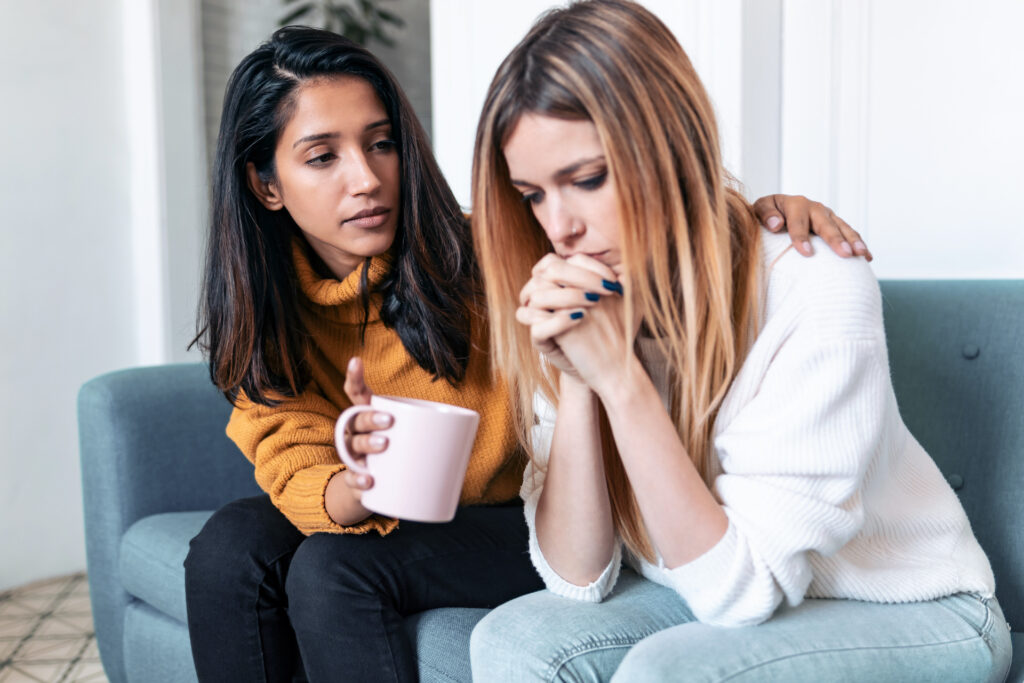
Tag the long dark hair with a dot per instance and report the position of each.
(248, 324)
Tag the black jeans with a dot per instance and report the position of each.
(259, 592)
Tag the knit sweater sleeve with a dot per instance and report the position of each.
(533, 486)
(292, 448)
(793, 460)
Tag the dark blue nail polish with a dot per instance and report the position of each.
(576, 315)
(612, 286)
(591, 296)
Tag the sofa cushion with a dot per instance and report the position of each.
(153, 552)
(156, 647)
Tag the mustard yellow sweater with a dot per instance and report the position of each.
(291, 444)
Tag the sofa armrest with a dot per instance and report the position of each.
(151, 440)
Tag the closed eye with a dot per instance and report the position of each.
(593, 182)
(384, 145)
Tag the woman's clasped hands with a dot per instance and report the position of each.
(575, 309)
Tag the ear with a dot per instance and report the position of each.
(266, 192)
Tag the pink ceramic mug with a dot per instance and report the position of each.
(419, 475)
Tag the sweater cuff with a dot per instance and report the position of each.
(592, 592)
(709, 568)
(303, 502)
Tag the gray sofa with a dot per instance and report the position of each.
(156, 462)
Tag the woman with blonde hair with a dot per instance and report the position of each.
(705, 404)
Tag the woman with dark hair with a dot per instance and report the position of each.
(700, 403)
(333, 236)
(339, 259)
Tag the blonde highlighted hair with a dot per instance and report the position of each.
(682, 223)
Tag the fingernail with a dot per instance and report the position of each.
(591, 296)
(351, 363)
(576, 315)
(860, 246)
(774, 222)
(612, 286)
(364, 480)
(378, 441)
(806, 248)
(847, 249)
(381, 419)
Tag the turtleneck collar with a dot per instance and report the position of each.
(339, 300)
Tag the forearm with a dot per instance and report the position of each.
(341, 502)
(574, 522)
(680, 513)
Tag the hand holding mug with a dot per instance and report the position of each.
(362, 438)
(416, 472)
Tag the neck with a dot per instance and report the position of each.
(339, 264)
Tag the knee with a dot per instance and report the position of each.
(642, 664)
(230, 545)
(512, 643)
(662, 655)
(493, 648)
(329, 570)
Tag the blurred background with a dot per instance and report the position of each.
(902, 115)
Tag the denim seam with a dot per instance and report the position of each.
(259, 589)
(583, 648)
(843, 649)
(433, 669)
(985, 630)
(387, 641)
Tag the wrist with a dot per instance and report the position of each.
(342, 502)
(618, 383)
(571, 387)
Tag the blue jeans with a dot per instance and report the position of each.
(645, 632)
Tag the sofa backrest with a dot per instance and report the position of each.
(956, 350)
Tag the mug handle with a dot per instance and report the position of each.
(339, 436)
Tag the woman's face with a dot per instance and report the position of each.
(559, 166)
(338, 172)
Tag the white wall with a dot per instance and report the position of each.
(901, 116)
(102, 193)
(469, 39)
(65, 264)
(908, 122)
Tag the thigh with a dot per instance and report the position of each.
(245, 535)
(479, 559)
(235, 574)
(545, 637)
(348, 594)
(949, 639)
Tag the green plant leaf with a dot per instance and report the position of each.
(391, 18)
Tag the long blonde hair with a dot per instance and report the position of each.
(615, 64)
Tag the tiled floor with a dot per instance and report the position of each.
(46, 633)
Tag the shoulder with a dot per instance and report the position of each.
(838, 295)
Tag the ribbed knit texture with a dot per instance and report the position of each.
(827, 493)
(291, 444)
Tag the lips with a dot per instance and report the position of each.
(598, 255)
(369, 218)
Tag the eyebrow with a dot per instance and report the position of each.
(566, 171)
(330, 136)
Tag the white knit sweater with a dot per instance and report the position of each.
(827, 493)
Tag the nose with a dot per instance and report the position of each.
(560, 223)
(361, 177)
